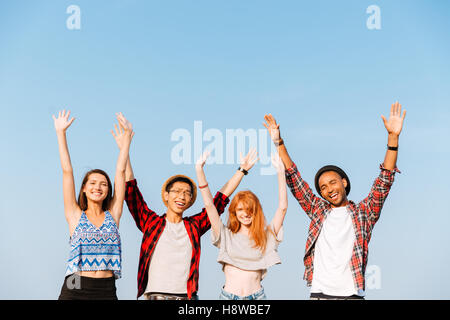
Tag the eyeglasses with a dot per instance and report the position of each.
(187, 194)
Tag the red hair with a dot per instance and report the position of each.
(251, 204)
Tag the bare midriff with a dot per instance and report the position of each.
(96, 274)
(241, 282)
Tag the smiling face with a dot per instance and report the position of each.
(96, 187)
(243, 216)
(332, 187)
(246, 216)
(178, 197)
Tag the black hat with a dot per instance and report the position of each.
(338, 170)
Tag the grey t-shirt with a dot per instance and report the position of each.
(238, 250)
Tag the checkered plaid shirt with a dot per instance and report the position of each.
(152, 226)
(364, 216)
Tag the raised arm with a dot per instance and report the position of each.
(123, 135)
(278, 219)
(393, 126)
(299, 188)
(129, 175)
(274, 131)
(211, 210)
(374, 202)
(71, 209)
(246, 163)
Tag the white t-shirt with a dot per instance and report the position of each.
(169, 265)
(333, 251)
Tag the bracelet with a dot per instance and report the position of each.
(392, 148)
(202, 187)
(245, 172)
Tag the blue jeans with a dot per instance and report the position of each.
(259, 295)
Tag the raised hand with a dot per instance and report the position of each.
(62, 122)
(395, 122)
(249, 160)
(125, 123)
(272, 126)
(277, 163)
(202, 160)
(123, 133)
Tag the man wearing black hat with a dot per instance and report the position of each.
(340, 230)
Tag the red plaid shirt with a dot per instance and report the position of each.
(364, 216)
(152, 226)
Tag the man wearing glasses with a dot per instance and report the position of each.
(170, 249)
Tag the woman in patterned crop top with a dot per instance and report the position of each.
(247, 246)
(95, 257)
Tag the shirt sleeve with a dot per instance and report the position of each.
(217, 239)
(137, 206)
(301, 191)
(279, 236)
(374, 202)
(220, 202)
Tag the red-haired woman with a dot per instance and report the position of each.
(247, 245)
(95, 256)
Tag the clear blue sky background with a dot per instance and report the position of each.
(165, 64)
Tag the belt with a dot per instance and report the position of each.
(322, 296)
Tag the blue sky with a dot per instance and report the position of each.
(316, 67)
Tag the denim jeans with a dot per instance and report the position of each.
(259, 295)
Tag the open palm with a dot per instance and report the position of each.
(122, 133)
(62, 122)
(249, 160)
(394, 124)
(272, 126)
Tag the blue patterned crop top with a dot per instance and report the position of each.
(95, 249)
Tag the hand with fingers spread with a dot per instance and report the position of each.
(395, 122)
(62, 122)
(249, 160)
(273, 128)
(124, 132)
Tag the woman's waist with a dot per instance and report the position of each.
(241, 282)
(97, 274)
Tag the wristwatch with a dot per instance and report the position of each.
(245, 172)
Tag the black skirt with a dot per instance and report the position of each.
(76, 287)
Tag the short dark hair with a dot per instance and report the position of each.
(179, 179)
(82, 200)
